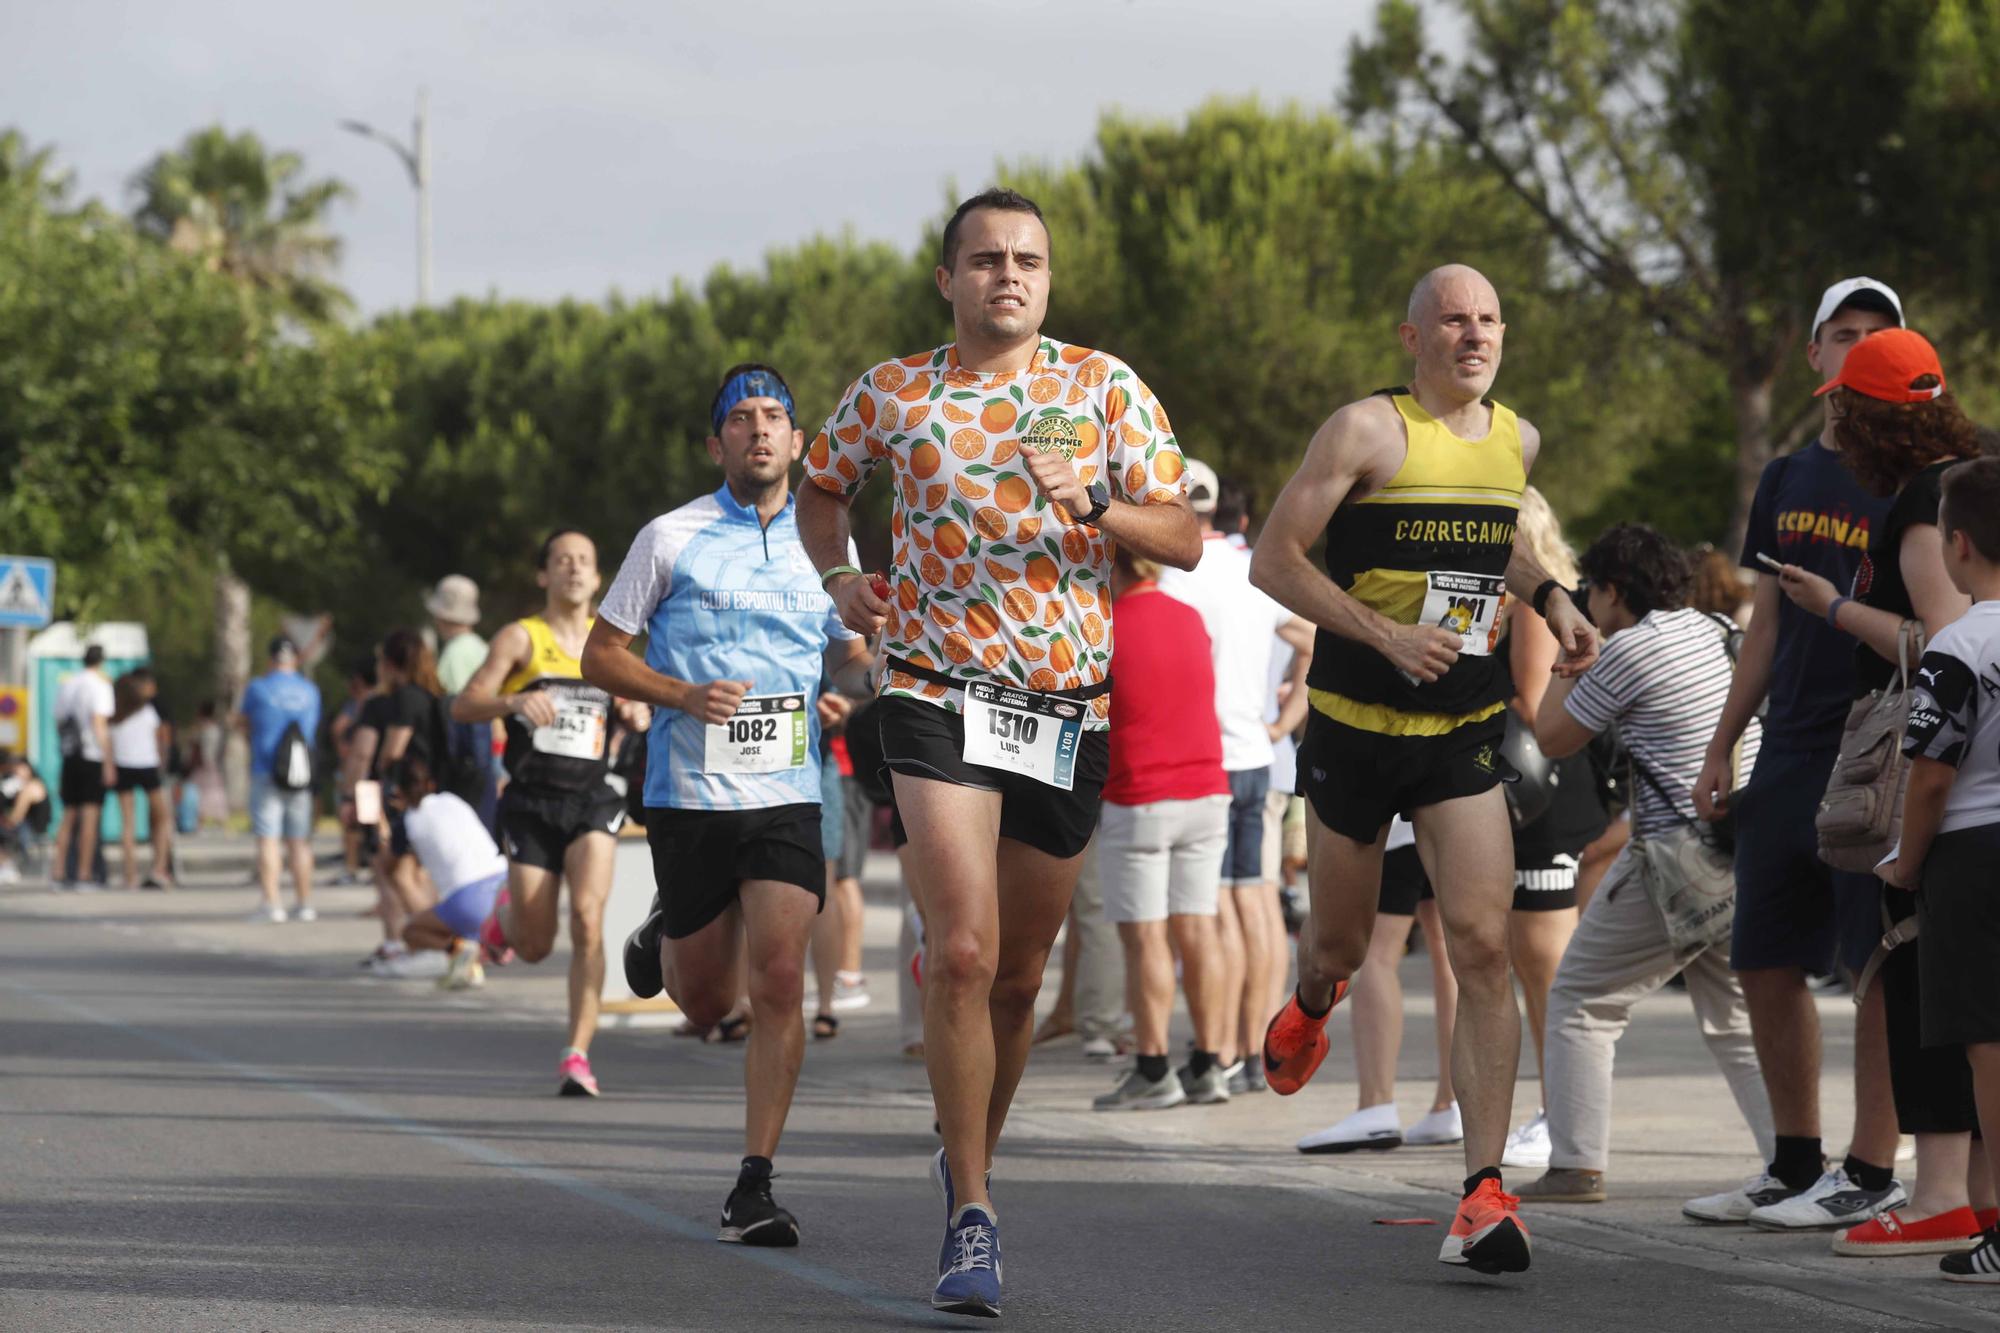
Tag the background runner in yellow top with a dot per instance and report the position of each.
(989, 578)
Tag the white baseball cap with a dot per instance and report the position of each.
(1847, 287)
(1202, 486)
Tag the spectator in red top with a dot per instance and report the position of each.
(1161, 835)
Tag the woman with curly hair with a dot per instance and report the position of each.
(1898, 429)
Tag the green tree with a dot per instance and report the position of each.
(1713, 165)
(248, 214)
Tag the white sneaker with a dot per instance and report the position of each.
(424, 965)
(9, 873)
(1834, 1200)
(1134, 1093)
(273, 915)
(850, 992)
(1445, 1126)
(1528, 1145)
(1374, 1128)
(1736, 1205)
(1099, 1048)
(463, 971)
(305, 914)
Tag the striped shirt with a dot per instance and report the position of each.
(1663, 682)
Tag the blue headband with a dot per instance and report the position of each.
(749, 384)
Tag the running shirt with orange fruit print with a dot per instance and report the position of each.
(990, 579)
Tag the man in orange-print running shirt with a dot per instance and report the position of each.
(1016, 460)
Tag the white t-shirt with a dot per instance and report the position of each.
(1955, 714)
(1242, 628)
(84, 696)
(1284, 751)
(452, 844)
(135, 742)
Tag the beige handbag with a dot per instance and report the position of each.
(1861, 816)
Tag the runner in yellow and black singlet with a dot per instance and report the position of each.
(563, 807)
(1416, 491)
(1430, 547)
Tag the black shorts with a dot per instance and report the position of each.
(1792, 909)
(82, 781)
(1404, 883)
(702, 857)
(138, 779)
(1359, 780)
(924, 740)
(1959, 937)
(537, 824)
(1548, 887)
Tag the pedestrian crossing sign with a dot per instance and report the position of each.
(27, 591)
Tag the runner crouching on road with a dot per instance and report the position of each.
(464, 863)
(738, 633)
(1017, 459)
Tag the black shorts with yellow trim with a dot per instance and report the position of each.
(1358, 779)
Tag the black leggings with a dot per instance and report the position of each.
(1932, 1084)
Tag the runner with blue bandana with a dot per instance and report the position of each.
(738, 634)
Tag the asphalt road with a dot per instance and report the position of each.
(202, 1130)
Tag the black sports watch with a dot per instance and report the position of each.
(1100, 500)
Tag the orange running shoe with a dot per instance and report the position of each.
(1295, 1043)
(1488, 1235)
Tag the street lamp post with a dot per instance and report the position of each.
(416, 159)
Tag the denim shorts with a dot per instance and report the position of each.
(1243, 857)
(276, 813)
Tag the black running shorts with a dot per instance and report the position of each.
(538, 824)
(702, 857)
(82, 781)
(923, 740)
(1404, 883)
(1357, 781)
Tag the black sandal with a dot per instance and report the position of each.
(732, 1029)
(825, 1027)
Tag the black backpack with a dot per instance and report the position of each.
(292, 762)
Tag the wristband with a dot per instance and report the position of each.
(1833, 610)
(836, 570)
(1540, 600)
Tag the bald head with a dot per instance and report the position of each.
(1454, 332)
(1456, 279)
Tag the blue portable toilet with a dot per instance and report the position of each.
(54, 655)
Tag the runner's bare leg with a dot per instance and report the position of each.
(1467, 847)
(954, 832)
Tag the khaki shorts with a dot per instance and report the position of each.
(1163, 858)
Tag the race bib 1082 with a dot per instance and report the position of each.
(767, 735)
(1018, 730)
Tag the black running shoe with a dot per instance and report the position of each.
(1981, 1264)
(642, 957)
(752, 1217)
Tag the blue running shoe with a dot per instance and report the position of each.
(969, 1265)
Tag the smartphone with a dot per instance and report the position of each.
(1775, 566)
(367, 803)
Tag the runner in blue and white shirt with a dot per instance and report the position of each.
(738, 634)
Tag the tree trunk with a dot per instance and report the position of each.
(232, 635)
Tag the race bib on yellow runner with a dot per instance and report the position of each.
(1020, 731)
(767, 735)
(578, 732)
(1469, 605)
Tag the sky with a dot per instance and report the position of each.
(581, 148)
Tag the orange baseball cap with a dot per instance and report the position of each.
(1884, 365)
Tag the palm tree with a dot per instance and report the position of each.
(248, 213)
